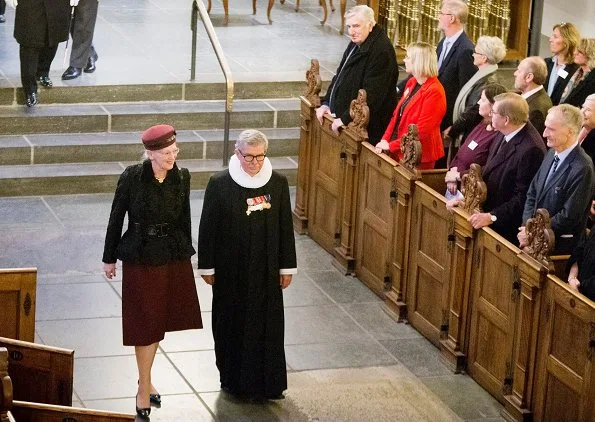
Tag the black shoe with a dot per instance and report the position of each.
(2, 19)
(155, 399)
(31, 99)
(143, 412)
(45, 81)
(90, 68)
(279, 396)
(71, 73)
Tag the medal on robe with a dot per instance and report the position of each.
(258, 203)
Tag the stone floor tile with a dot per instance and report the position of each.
(419, 355)
(74, 301)
(465, 397)
(373, 318)
(198, 368)
(303, 325)
(175, 407)
(336, 355)
(93, 337)
(70, 278)
(340, 288)
(190, 340)
(116, 377)
(303, 292)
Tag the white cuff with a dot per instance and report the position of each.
(209, 271)
(285, 271)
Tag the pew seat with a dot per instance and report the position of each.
(38, 412)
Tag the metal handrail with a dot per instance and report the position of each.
(199, 7)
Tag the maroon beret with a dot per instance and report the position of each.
(158, 137)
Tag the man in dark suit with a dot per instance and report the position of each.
(564, 183)
(455, 54)
(512, 162)
(39, 26)
(83, 55)
(369, 63)
(529, 78)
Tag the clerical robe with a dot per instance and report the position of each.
(246, 236)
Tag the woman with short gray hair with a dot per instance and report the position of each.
(489, 51)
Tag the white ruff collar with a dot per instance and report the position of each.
(243, 179)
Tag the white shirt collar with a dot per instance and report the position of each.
(512, 135)
(243, 179)
(562, 156)
(533, 91)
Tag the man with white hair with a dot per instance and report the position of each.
(369, 63)
(564, 183)
(246, 251)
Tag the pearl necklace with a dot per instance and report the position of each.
(160, 179)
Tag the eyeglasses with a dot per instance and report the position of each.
(478, 53)
(492, 112)
(249, 158)
(447, 14)
(173, 153)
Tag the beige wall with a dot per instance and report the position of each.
(579, 12)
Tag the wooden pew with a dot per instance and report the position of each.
(38, 412)
(17, 302)
(40, 373)
(20, 411)
(565, 378)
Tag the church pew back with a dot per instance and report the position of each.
(17, 301)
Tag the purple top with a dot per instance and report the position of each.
(475, 148)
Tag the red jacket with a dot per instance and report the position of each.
(426, 109)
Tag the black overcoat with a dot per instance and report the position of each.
(247, 252)
(561, 83)
(149, 203)
(584, 256)
(41, 23)
(373, 67)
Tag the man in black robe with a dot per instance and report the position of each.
(246, 251)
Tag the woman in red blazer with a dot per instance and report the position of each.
(423, 103)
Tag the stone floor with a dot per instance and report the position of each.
(346, 358)
(148, 41)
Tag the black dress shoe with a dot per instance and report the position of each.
(155, 399)
(31, 99)
(90, 68)
(143, 412)
(45, 81)
(71, 73)
(279, 396)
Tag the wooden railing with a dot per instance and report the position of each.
(491, 308)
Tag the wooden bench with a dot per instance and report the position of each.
(17, 302)
(40, 373)
(21, 411)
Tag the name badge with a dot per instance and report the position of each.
(472, 145)
(562, 73)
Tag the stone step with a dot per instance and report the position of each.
(188, 91)
(66, 179)
(126, 146)
(126, 117)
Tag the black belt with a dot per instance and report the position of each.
(152, 230)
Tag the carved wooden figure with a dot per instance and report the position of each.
(313, 83)
(540, 237)
(474, 190)
(360, 115)
(411, 149)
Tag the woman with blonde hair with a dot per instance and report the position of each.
(560, 67)
(582, 82)
(423, 104)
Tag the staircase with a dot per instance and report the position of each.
(80, 139)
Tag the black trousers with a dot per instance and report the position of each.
(35, 62)
(82, 29)
(2, 7)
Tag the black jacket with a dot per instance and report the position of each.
(41, 23)
(579, 93)
(373, 67)
(149, 205)
(561, 82)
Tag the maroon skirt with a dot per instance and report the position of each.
(156, 300)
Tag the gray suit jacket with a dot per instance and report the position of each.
(566, 196)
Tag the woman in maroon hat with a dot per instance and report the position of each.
(158, 289)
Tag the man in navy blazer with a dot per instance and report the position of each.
(564, 183)
(455, 65)
(513, 160)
